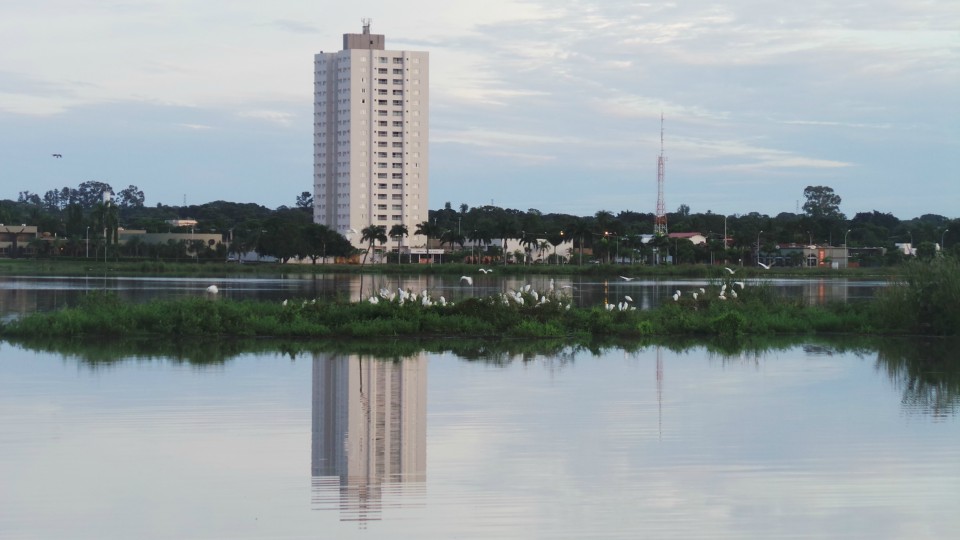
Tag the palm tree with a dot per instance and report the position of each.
(578, 230)
(603, 219)
(542, 245)
(506, 228)
(371, 234)
(105, 216)
(430, 230)
(398, 231)
(527, 240)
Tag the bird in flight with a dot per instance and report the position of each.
(58, 156)
(625, 278)
(765, 266)
(486, 270)
(728, 269)
(467, 279)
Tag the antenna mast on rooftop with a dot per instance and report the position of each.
(660, 218)
(366, 24)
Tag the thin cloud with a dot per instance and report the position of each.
(196, 127)
(837, 124)
(297, 27)
(274, 117)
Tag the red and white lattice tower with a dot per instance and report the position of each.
(660, 218)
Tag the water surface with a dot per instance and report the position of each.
(807, 441)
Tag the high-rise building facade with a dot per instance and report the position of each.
(371, 138)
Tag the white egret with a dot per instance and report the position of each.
(486, 270)
(625, 278)
(728, 269)
(467, 279)
(740, 283)
(765, 266)
(213, 289)
(733, 293)
(627, 298)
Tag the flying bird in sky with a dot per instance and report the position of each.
(58, 156)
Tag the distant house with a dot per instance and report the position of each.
(15, 239)
(211, 240)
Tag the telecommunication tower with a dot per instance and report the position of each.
(660, 218)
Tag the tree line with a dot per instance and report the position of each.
(68, 215)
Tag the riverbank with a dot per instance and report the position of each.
(925, 302)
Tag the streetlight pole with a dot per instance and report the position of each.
(88, 241)
(846, 250)
(758, 246)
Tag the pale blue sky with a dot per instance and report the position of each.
(552, 105)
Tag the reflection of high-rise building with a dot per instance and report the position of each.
(369, 431)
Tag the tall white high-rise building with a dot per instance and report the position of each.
(371, 138)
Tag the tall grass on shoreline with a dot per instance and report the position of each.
(926, 302)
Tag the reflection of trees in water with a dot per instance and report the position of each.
(926, 371)
(97, 352)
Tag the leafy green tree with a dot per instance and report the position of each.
(130, 197)
(90, 193)
(305, 201)
(822, 202)
(926, 251)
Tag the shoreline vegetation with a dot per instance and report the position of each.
(923, 300)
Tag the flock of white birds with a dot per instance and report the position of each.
(527, 295)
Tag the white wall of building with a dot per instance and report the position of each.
(371, 138)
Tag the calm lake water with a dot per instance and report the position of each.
(809, 440)
(27, 294)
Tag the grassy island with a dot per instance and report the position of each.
(925, 302)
